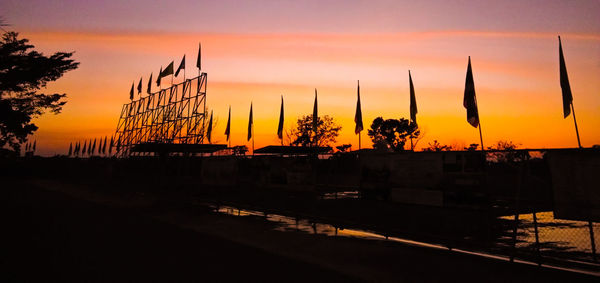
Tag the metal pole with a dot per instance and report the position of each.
(481, 137)
(537, 237)
(516, 220)
(592, 240)
(359, 134)
(576, 129)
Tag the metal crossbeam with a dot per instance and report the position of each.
(175, 115)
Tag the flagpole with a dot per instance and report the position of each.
(481, 137)
(359, 134)
(576, 129)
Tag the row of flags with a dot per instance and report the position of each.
(90, 148)
(469, 103)
(31, 146)
(166, 72)
(470, 99)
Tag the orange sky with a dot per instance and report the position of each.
(516, 79)
(256, 51)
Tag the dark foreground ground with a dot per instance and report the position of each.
(61, 232)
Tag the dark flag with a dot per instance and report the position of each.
(159, 77)
(413, 101)
(110, 146)
(83, 151)
(139, 88)
(103, 146)
(470, 101)
(118, 147)
(315, 114)
(228, 128)
(70, 149)
(181, 66)
(199, 60)
(77, 147)
(209, 130)
(358, 115)
(93, 147)
(567, 96)
(167, 71)
(149, 90)
(280, 126)
(131, 92)
(250, 122)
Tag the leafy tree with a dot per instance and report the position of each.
(391, 134)
(303, 134)
(508, 152)
(472, 147)
(343, 148)
(436, 146)
(23, 72)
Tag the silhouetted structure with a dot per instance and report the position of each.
(175, 115)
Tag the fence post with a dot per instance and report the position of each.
(537, 238)
(592, 240)
(516, 221)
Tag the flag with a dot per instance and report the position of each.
(413, 101)
(315, 114)
(167, 71)
(159, 77)
(77, 147)
(228, 128)
(70, 149)
(110, 145)
(139, 88)
(149, 90)
(83, 151)
(280, 126)
(104, 145)
(198, 61)
(470, 101)
(567, 96)
(181, 66)
(131, 92)
(250, 122)
(93, 147)
(209, 130)
(358, 115)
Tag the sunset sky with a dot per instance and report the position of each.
(256, 51)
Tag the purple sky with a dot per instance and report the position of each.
(270, 16)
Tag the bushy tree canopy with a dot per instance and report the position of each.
(303, 134)
(23, 72)
(391, 134)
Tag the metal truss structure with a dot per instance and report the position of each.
(175, 115)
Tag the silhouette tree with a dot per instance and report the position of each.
(509, 153)
(303, 134)
(436, 146)
(343, 148)
(23, 72)
(391, 134)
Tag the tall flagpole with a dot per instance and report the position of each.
(479, 126)
(576, 129)
(359, 134)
